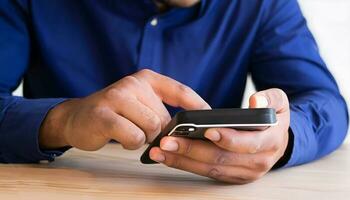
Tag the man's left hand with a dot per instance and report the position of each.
(232, 156)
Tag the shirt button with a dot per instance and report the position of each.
(154, 22)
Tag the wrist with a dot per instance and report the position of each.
(51, 133)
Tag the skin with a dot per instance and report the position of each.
(232, 156)
(131, 111)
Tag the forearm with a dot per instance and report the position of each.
(20, 121)
(319, 123)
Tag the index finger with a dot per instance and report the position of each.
(171, 91)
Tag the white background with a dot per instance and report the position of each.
(329, 20)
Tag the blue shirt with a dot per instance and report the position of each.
(64, 49)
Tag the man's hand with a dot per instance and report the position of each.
(130, 111)
(233, 156)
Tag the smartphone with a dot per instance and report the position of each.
(193, 124)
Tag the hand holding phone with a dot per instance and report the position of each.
(232, 155)
(193, 124)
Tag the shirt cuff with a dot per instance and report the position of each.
(19, 131)
(304, 147)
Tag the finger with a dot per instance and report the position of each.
(121, 129)
(172, 92)
(250, 142)
(157, 106)
(131, 87)
(140, 115)
(271, 98)
(236, 175)
(147, 96)
(207, 152)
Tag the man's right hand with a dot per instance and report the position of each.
(130, 111)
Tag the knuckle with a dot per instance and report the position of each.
(263, 164)
(188, 147)
(255, 147)
(97, 115)
(130, 79)
(214, 173)
(280, 96)
(113, 93)
(117, 123)
(221, 158)
(280, 92)
(99, 111)
(129, 82)
(184, 89)
(252, 149)
(145, 72)
(135, 143)
(153, 122)
(275, 147)
(166, 119)
(132, 139)
(230, 143)
(164, 122)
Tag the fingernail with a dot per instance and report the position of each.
(261, 102)
(206, 107)
(170, 146)
(159, 157)
(213, 135)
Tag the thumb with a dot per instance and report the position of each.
(271, 98)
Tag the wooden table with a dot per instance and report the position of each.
(114, 173)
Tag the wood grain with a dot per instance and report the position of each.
(114, 173)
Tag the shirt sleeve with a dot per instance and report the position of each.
(20, 118)
(286, 56)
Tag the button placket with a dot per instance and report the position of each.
(149, 42)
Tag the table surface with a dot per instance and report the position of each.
(114, 173)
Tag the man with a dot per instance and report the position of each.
(100, 70)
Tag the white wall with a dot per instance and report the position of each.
(330, 22)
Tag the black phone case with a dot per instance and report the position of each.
(195, 122)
